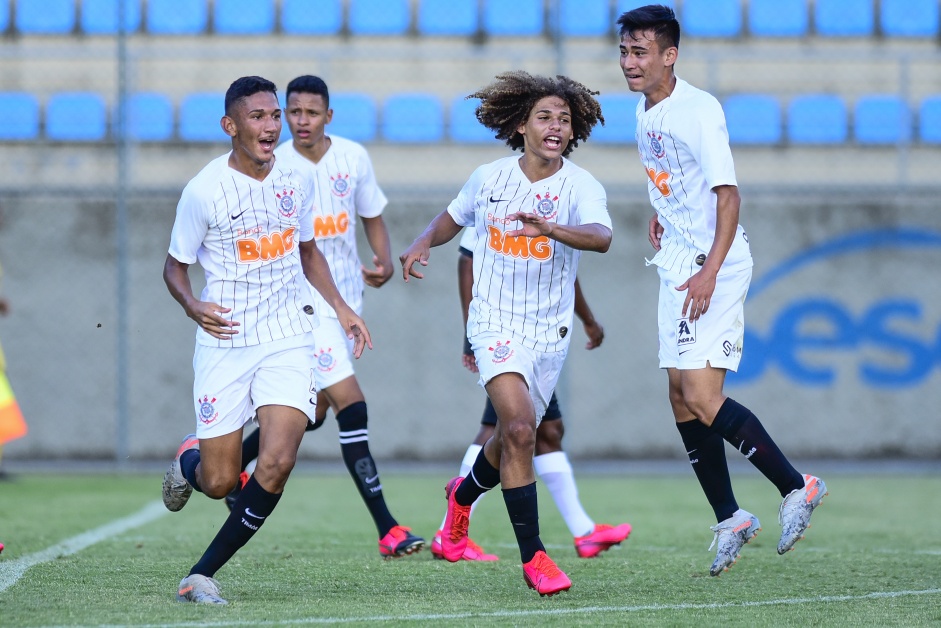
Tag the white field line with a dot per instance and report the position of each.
(12, 570)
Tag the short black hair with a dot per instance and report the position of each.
(309, 84)
(244, 87)
(654, 17)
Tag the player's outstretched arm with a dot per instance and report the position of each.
(593, 329)
(377, 234)
(465, 283)
(589, 237)
(442, 229)
(207, 315)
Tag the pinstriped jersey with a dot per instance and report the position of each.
(684, 147)
(245, 235)
(344, 186)
(525, 286)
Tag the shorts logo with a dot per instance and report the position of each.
(340, 184)
(286, 202)
(656, 145)
(546, 206)
(501, 353)
(685, 332)
(325, 361)
(731, 350)
(207, 412)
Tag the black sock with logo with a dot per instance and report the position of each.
(354, 443)
(706, 451)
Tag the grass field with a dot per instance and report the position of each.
(95, 550)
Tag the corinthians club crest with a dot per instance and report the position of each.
(656, 144)
(545, 205)
(325, 361)
(502, 352)
(207, 412)
(340, 184)
(286, 204)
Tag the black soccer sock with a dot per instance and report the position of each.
(250, 447)
(354, 443)
(250, 510)
(706, 451)
(523, 509)
(188, 461)
(483, 476)
(744, 431)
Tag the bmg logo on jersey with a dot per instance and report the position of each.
(661, 181)
(340, 184)
(207, 411)
(538, 248)
(502, 352)
(685, 332)
(325, 361)
(265, 248)
(331, 226)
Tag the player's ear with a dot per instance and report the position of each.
(670, 55)
(329, 116)
(228, 126)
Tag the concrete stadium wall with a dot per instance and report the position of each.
(842, 357)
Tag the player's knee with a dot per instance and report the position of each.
(218, 486)
(275, 467)
(519, 434)
(353, 417)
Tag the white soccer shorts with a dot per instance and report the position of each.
(333, 353)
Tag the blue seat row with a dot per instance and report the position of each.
(577, 18)
(421, 118)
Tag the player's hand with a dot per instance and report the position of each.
(654, 232)
(534, 225)
(595, 332)
(467, 357)
(356, 330)
(417, 252)
(209, 317)
(699, 289)
(381, 274)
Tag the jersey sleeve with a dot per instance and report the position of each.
(370, 200)
(306, 212)
(709, 144)
(592, 203)
(468, 242)
(189, 227)
(462, 208)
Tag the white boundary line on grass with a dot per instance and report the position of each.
(13, 570)
(556, 611)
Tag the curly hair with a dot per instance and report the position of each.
(507, 102)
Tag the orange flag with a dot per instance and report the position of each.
(12, 424)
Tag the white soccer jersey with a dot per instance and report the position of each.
(344, 187)
(684, 147)
(525, 285)
(245, 235)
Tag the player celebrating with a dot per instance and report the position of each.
(705, 264)
(345, 188)
(533, 216)
(550, 463)
(246, 218)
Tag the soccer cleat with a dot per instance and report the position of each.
(471, 552)
(601, 539)
(200, 590)
(731, 535)
(544, 576)
(1, 548)
(456, 522)
(235, 492)
(176, 490)
(399, 542)
(795, 511)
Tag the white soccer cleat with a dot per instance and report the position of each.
(731, 535)
(795, 511)
(176, 490)
(199, 590)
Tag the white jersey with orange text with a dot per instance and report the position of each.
(526, 285)
(344, 186)
(684, 147)
(245, 235)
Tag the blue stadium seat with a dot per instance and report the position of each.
(909, 18)
(311, 17)
(882, 119)
(929, 120)
(778, 18)
(354, 117)
(522, 18)
(712, 18)
(100, 17)
(76, 117)
(172, 17)
(447, 17)
(4, 15)
(20, 120)
(379, 17)
(465, 128)
(243, 17)
(817, 119)
(199, 118)
(149, 117)
(753, 119)
(413, 118)
(49, 17)
(620, 119)
(844, 18)
(585, 18)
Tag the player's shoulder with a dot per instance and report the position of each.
(577, 174)
(347, 146)
(691, 97)
(206, 181)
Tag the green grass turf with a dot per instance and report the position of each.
(316, 560)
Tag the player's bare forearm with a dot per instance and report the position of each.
(207, 315)
(593, 329)
(378, 237)
(442, 229)
(588, 237)
(317, 271)
(728, 205)
(465, 283)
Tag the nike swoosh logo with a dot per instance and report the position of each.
(682, 352)
(249, 512)
(236, 216)
(372, 479)
(499, 200)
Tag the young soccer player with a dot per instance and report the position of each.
(345, 187)
(533, 216)
(246, 219)
(705, 263)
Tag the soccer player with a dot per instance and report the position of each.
(550, 462)
(246, 218)
(533, 216)
(704, 263)
(345, 187)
